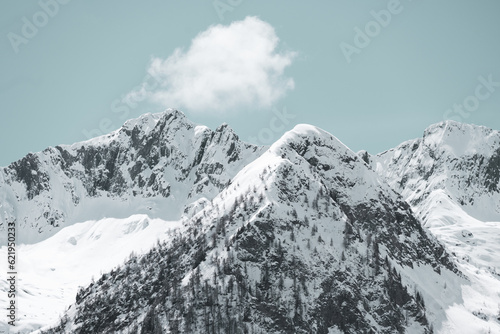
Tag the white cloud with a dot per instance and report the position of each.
(225, 68)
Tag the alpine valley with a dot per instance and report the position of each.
(165, 226)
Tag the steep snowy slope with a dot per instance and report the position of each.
(461, 159)
(51, 271)
(306, 238)
(450, 177)
(160, 164)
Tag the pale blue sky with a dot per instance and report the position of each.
(64, 78)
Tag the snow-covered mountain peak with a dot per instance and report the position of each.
(461, 159)
(157, 164)
(223, 127)
(452, 126)
(146, 121)
(459, 139)
(224, 133)
(304, 136)
(139, 127)
(307, 129)
(303, 131)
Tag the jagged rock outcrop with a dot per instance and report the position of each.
(160, 164)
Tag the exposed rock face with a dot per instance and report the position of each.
(304, 236)
(158, 163)
(460, 160)
(304, 239)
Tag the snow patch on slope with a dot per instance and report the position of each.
(51, 271)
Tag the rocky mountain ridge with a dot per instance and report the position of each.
(461, 159)
(304, 239)
(304, 236)
(160, 164)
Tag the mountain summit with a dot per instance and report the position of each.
(304, 236)
(460, 161)
(158, 164)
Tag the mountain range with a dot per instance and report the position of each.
(165, 226)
